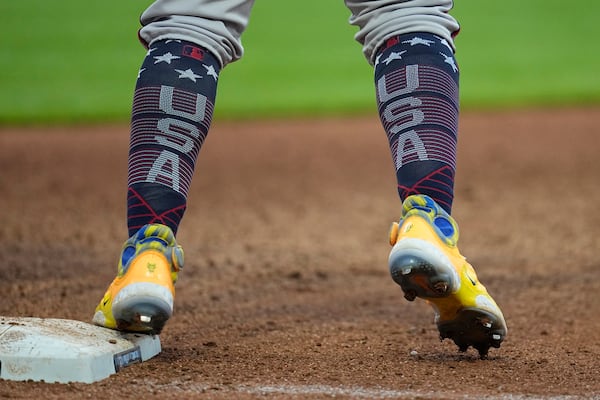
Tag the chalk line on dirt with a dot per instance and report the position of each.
(352, 391)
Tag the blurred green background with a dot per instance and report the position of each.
(67, 61)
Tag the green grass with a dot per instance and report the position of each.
(310, 65)
(76, 61)
(67, 60)
(533, 52)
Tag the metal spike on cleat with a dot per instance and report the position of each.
(440, 287)
(496, 340)
(483, 351)
(146, 319)
(410, 295)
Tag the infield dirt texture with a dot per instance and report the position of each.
(285, 291)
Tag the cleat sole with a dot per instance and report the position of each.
(144, 316)
(142, 307)
(418, 278)
(474, 327)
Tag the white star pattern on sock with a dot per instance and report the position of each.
(167, 57)
(445, 43)
(210, 71)
(394, 56)
(417, 40)
(189, 74)
(449, 60)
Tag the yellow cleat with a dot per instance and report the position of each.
(426, 263)
(140, 298)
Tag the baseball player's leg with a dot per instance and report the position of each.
(416, 76)
(188, 44)
(406, 41)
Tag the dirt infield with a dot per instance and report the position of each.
(285, 291)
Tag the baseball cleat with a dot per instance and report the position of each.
(140, 298)
(426, 263)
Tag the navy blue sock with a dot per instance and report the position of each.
(416, 77)
(172, 111)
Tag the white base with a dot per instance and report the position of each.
(61, 350)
